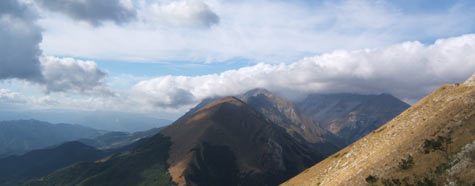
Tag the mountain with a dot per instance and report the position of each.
(37, 163)
(20, 136)
(100, 120)
(431, 143)
(283, 113)
(113, 140)
(350, 116)
(226, 142)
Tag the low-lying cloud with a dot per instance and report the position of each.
(408, 70)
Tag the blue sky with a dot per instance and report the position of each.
(163, 56)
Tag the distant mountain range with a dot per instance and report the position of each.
(21, 136)
(16, 169)
(430, 144)
(257, 138)
(100, 120)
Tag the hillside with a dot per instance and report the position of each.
(145, 164)
(431, 143)
(37, 163)
(350, 116)
(229, 143)
(20, 136)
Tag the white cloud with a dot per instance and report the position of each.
(409, 70)
(262, 31)
(68, 74)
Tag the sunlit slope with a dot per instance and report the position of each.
(395, 153)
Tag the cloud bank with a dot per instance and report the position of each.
(408, 70)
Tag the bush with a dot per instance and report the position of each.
(371, 179)
(406, 163)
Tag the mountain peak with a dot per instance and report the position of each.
(256, 91)
(228, 99)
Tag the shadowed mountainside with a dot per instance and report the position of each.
(351, 116)
(16, 169)
(227, 142)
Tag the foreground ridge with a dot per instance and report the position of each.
(427, 143)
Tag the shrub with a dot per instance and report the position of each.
(371, 179)
(406, 163)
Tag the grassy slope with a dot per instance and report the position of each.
(450, 109)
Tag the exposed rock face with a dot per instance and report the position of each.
(351, 116)
(470, 81)
(227, 142)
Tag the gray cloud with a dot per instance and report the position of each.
(184, 13)
(67, 74)
(94, 12)
(19, 42)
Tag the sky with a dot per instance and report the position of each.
(161, 57)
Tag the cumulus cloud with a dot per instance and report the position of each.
(408, 70)
(93, 11)
(20, 56)
(192, 13)
(68, 74)
(19, 39)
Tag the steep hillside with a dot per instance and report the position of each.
(37, 163)
(229, 143)
(20, 136)
(431, 143)
(351, 116)
(283, 113)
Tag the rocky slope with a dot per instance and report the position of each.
(283, 113)
(350, 116)
(431, 143)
